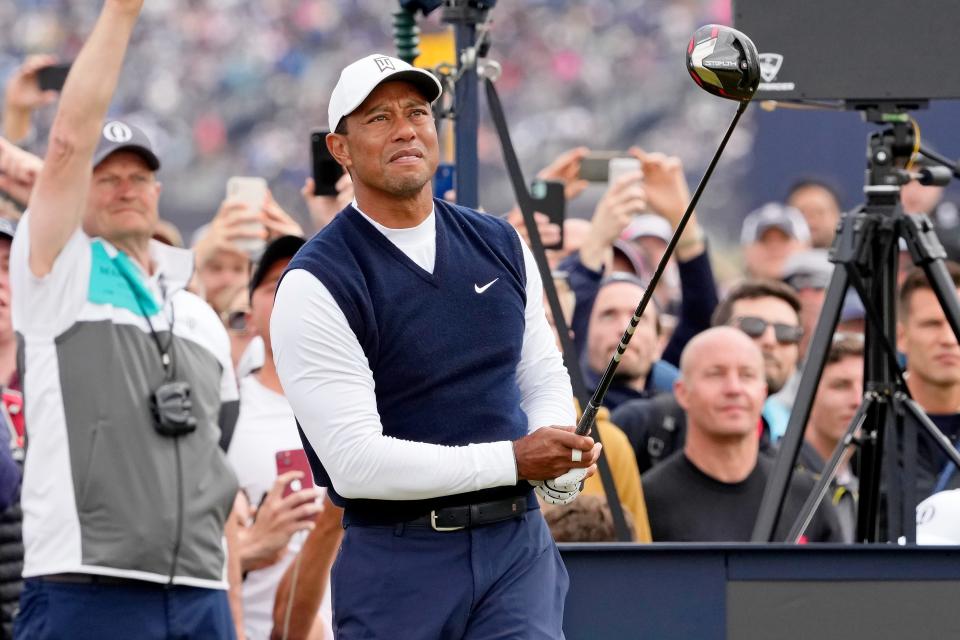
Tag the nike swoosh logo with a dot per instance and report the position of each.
(480, 289)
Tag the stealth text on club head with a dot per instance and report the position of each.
(724, 62)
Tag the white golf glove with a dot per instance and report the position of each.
(561, 490)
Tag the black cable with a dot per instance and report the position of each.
(166, 352)
(293, 588)
(570, 359)
(179, 528)
(873, 317)
(169, 368)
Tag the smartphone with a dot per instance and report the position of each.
(326, 170)
(443, 179)
(617, 167)
(294, 460)
(549, 198)
(52, 78)
(594, 166)
(252, 191)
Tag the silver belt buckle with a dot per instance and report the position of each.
(433, 524)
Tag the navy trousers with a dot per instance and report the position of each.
(52, 610)
(503, 580)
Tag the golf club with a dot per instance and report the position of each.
(724, 62)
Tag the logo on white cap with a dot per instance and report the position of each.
(117, 132)
(385, 64)
(925, 513)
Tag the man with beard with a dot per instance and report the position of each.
(769, 312)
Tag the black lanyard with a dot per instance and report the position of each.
(166, 351)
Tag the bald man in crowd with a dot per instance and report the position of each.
(712, 489)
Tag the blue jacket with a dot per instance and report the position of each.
(699, 299)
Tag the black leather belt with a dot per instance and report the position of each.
(92, 578)
(462, 516)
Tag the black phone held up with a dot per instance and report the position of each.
(326, 170)
(549, 199)
(594, 167)
(52, 78)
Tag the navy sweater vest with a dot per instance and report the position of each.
(443, 347)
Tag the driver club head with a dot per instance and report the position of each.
(724, 62)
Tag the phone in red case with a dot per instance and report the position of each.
(294, 460)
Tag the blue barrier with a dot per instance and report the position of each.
(747, 592)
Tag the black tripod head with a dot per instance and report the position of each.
(890, 150)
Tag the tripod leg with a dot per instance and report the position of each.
(943, 441)
(946, 292)
(908, 445)
(779, 481)
(929, 254)
(915, 415)
(883, 505)
(829, 471)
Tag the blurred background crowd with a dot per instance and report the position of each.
(232, 87)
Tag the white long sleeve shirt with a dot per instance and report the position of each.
(328, 381)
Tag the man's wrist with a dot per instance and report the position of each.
(693, 236)
(594, 254)
(16, 124)
(254, 554)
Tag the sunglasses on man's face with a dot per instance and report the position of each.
(755, 327)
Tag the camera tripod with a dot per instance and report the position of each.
(888, 420)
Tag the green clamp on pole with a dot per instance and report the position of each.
(406, 35)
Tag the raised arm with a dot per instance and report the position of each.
(59, 198)
(668, 196)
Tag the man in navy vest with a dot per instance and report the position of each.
(410, 338)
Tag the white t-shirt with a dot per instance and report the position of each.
(265, 426)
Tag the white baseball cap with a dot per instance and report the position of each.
(648, 224)
(774, 215)
(359, 79)
(938, 519)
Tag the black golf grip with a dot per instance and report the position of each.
(587, 419)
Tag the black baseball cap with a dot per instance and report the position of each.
(117, 135)
(282, 248)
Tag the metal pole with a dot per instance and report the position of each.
(467, 118)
